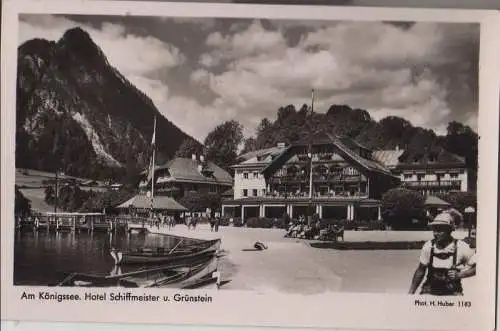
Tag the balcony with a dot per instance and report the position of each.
(316, 195)
(317, 178)
(454, 184)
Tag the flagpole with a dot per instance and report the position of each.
(309, 212)
(310, 148)
(153, 142)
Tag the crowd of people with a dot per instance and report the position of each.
(167, 221)
(190, 221)
(303, 230)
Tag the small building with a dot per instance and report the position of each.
(180, 176)
(141, 204)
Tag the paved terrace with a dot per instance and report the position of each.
(292, 266)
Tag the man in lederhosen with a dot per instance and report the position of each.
(446, 260)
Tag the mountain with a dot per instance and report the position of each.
(77, 113)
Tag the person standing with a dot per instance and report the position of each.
(445, 259)
(217, 222)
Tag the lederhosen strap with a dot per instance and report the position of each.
(455, 253)
(430, 285)
(431, 259)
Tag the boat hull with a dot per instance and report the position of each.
(208, 248)
(180, 274)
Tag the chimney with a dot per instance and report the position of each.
(202, 158)
(193, 157)
(397, 147)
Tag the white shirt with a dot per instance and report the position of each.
(465, 255)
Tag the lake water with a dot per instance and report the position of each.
(45, 258)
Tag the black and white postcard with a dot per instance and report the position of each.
(260, 165)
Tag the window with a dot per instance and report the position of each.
(420, 177)
(254, 192)
(263, 191)
(255, 175)
(408, 176)
(454, 175)
(245, 175)
(245, 192)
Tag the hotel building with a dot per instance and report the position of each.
(181, 176)
(347, 183)
(429, 173)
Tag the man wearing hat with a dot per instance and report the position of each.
(446, 260)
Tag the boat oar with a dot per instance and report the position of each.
(175, 246)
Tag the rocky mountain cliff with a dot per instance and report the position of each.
(77, 113)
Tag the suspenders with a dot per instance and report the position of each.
(437, 282)
(431, 260)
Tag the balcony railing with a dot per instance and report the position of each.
(316, 178)
(282, 195)
(432, 184)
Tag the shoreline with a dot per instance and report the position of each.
(291, 265)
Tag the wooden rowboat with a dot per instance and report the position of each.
(161, 256)
(180, 277)
(177, 274)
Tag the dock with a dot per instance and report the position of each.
(78, 222)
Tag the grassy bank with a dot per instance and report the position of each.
(369, 245)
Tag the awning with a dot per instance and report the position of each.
(159, 203)
(433, 201)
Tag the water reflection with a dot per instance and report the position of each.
(45, 258)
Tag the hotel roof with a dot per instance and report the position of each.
(260, 157)
(389, 158)
(185, 169)
(159, 202)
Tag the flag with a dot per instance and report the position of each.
(150, 168)
(153, 140)
(152, 159)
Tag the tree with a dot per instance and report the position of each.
(189, 147)
(400, 207)
(132, 175)
(250, 145)
(222, 144)
(199, 202)
(50, 195)
(71, 198)
(99, 201)
(460, 200)
(22, 206)
(463, 141)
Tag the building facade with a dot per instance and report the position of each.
(181, 176)
(347, 182)
(429, 173)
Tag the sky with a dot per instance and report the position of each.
(200, 72)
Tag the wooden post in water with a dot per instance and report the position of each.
(74, 223)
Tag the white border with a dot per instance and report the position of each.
(247, 308)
